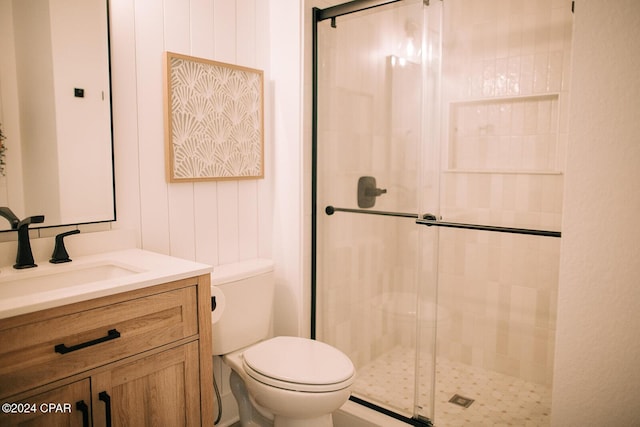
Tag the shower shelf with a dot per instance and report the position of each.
(503, 98)
(504, 171)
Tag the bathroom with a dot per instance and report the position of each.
(595, 373)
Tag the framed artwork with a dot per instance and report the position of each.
(214, 120)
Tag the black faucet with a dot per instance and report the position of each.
(24, 259)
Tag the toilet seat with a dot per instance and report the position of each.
(299, 364)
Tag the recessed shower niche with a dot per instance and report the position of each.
(504, 134)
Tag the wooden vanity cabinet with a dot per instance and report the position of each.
(140, 358)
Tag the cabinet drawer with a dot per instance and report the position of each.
(49, 350)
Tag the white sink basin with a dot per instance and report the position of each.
(88, 277)
(55, 279)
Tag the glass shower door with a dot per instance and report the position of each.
(448, 317)
(375, 270)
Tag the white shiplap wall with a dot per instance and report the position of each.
(215, 222)
(211, 222)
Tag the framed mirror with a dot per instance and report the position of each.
(55, 111)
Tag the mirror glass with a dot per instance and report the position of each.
(55, 111)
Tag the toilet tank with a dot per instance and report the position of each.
(248, 294)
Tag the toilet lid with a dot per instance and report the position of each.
(299, 360)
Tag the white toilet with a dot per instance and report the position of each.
(281, 381)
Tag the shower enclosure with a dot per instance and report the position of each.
(439, 133)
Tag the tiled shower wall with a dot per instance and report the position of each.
(505, 91)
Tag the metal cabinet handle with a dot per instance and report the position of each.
(104, 396)
(63, 349)
(84, 408)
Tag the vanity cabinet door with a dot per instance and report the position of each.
(158, 390)
(65, 406)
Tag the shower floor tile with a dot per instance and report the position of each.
(499, 400)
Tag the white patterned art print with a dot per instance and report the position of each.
(214, 120)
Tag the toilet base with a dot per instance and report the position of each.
(249, 414)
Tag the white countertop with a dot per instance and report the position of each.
(34, 289)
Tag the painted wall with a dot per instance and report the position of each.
(598, 347)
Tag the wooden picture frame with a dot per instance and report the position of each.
(214, 120)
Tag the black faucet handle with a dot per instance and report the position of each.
(60, 254)
(24, 258)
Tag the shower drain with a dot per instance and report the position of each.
(465, 402)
